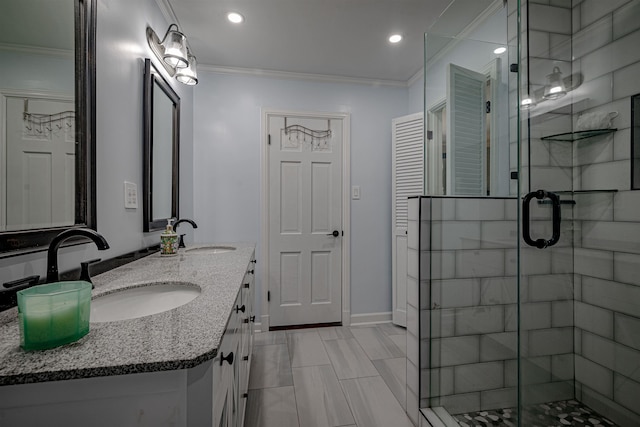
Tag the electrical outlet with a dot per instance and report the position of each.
(130, 195)
(355, 192)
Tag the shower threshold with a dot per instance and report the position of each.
(560, 413)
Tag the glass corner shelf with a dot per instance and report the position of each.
(575, 136)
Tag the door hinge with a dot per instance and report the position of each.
(268, 296)
(488, 107)
(269, 139)
(513, 68)
(429, 134)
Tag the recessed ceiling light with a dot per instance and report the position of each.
(235, 17)
(500, 50)
(395, 38)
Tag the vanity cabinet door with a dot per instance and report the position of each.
(222, 377)
(225, 402)
(246, 341)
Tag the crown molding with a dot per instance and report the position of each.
(167, 12)
(35, 50)
(419, 75)
(300, 76)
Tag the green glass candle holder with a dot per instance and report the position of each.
(53, 314)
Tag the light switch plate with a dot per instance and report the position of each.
(355, 192)
(130, 195)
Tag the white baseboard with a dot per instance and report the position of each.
(370, 318)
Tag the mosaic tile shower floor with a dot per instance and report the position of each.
(560, 414)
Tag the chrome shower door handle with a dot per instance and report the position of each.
(556, 218)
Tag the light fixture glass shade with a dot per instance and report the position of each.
(175, 49)
(188, 75)
(527, 102)
(555, 86)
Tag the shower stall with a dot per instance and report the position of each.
(523, 280)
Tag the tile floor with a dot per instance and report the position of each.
(329, 377)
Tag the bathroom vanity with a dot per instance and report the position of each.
(187, 366)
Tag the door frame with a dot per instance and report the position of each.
(266, 114)
(18, 93)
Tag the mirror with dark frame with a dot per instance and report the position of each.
(161, 116)
(48, 107)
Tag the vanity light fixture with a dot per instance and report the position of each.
(500, 50)
(235, 17)
(395, 38)
(174, 54)
(188, 75)
(555, 87)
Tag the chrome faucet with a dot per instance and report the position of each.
(52, 253)
(175, 227)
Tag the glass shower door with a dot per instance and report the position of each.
(579, 302)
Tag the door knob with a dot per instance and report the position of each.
(335, 233)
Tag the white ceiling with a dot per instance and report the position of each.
(343, 38)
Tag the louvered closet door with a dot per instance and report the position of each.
(408, 180)
(466, 144)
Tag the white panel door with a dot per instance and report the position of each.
(408, 180)
(305, 208)
(40, 184)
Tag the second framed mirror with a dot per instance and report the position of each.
(161, 117)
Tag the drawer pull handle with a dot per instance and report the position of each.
(228, 358)
(253, 318)
(246, 285)
(240, 308)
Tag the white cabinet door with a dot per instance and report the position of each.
(408, 180)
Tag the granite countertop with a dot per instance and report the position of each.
(176, 339)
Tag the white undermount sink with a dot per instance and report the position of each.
(140, 301)
(210, 250)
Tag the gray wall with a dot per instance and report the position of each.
(227, 166)
(121, 49)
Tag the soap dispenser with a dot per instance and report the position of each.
(169, 240)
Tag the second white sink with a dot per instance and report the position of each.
(140, 301)
(210, 250)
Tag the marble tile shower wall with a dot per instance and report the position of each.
(605, 38)
(462, 312)
(545, 44)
